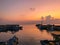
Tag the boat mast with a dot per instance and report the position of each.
(42, 20)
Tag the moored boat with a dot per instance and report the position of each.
(10, 27)
(48, 27)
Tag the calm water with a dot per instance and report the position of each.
(30, 34)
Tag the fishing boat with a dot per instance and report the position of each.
(13, 41)
(2, 43)
(10, 27)
(48, 27)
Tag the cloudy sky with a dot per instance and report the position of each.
(28, 10)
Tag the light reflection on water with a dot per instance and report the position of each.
(29, 31)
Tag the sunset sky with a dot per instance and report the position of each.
(28, 10)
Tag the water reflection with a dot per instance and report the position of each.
(29, 33)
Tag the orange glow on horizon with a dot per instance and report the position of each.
(16, 12)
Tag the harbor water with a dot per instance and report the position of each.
(30, 35)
